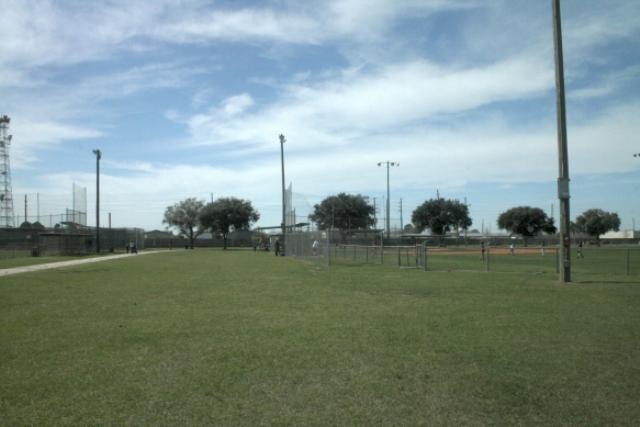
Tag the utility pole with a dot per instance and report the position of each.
(388, 216)
(563, 161)
(38, 205)
(401, 224)
(98, 154)
(109, 220)
(282, 246)
(25, 208)
(437, 194)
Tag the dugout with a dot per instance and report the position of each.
(79, 243)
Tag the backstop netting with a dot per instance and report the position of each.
(302, 239)
(52, 210)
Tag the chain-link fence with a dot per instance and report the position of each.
(596, 262)
(22, 242)
(309, 245)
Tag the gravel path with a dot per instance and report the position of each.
(59, 264)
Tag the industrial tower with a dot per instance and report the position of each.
(6, 197)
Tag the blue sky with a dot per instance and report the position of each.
(187, 98)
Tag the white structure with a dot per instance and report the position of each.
(622, 234)
(6, 196)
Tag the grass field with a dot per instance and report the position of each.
(243, 338)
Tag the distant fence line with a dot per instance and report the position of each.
(19, 242)
(588, 260)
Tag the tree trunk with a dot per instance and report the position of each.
(191, 238)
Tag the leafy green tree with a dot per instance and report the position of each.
(526, 221)
(38, 226)
(184, 216)
(228, 214)
(345, 212)
(409, 228)
(596, 222)
(440, 216)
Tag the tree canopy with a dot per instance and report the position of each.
(228, 214)
(184, 216)
(440, 216)
(344, 212)
(596, 222)
(526, 221)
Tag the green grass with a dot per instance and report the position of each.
(243, 338)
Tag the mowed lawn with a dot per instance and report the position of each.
(244, 338)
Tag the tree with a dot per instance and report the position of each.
(526, 221)
(38, 226)
(596, 222)
(409, 228)
(345, 212)
(440, 216)
(227, 214)
(184, 216)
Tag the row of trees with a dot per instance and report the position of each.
(347, 212)
(192, 217)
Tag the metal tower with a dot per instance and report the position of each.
(6, 197)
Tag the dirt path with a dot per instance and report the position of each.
(60, 264)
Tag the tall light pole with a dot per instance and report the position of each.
(388, 220)
(98, 154)
(563, 161)
(284, 225)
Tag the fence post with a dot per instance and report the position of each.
(628, 263)
(557, 261)
(424, 254)
(488, 264)
(399, 260)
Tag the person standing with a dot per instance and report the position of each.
(482, 250)
(277, 247)
(580, 254)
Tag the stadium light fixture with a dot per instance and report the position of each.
(388, 220)
(98, 154)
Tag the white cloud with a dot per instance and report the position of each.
(488, 150)
(358, 103)
(36, 137)
(237, 104)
